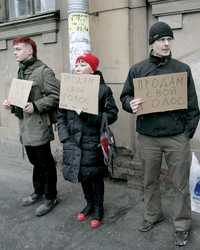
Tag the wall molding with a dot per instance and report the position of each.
(160, 8)
(45, 24)
(136, 4)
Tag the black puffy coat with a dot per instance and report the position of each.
(80, 135)
(167, 123)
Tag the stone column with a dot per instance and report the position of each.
(2, 11)
(138, 50)
(137, 38)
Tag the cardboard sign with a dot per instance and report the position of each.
(161, 93)
(19, 92)
(80, 92)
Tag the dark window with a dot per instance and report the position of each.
(24, 8)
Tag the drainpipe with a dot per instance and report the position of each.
(78, 28)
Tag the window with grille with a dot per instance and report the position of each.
(24, 8)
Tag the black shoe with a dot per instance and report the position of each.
(181, 238)
(31, 199)
(46, 207)
(148, 225)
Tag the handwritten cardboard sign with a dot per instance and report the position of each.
(19, 92)
(79, 92)
(161, 93)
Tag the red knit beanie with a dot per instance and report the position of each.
(89, 58)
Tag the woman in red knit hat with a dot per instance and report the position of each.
(80, 135)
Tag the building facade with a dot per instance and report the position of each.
(119, 36)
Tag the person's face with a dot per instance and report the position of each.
(82, 67)
(22, 52)
(162, 46)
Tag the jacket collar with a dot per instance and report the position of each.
(30, 68)
(101, 76)
(159, 60)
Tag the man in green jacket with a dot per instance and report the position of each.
(35, 124)
(164, 133)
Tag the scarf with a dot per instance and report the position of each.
(22, 67)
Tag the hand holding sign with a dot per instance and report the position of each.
(6, 104)
(136, 105)
(29, 108)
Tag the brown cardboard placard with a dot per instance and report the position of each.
(162, 92)
(80, 92)
(19, 92)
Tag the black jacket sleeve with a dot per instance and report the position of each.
(127, 94)
(110, 107)
(192, 113)
(62, 125)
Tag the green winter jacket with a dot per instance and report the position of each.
(35, 128)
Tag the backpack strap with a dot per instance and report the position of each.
(106, 131)
(104, 122)
(39, 71)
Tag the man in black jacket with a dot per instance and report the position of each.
(165, 133)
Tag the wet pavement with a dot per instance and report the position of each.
(21, 229)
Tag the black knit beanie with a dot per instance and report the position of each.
(158, 30)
